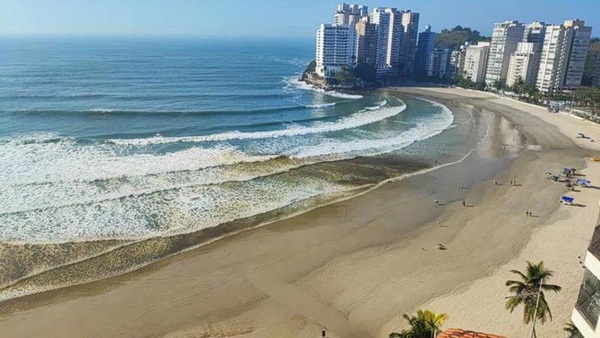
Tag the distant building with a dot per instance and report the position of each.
(476, 60)
(587, 308)
(524, 64)
(563, 56)
(439, 62)
(410, 24)
(534, 33)
(366, 42)
(454, 63)
(347, 14)
(505, 37)
(424, 49)
(389, 39)
(461, 60)
(336, 48)
(578, 53)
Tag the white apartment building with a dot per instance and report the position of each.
(410, 24)
(336, 48)
(534, 32)
(505, 37)
(587, 308)
(523, 64)
(347, 14)
(476, 60)
(389, 38)
(563, 56)
(439, 62)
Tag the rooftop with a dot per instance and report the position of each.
(460, 333)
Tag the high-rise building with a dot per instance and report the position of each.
(587, 308)
(563, 56)
(476, 61)
(410, 24)
(505, 37)
(462, 57)
(366, 42)
(524, 64)
(424, 49)
(439, 62)
(336, 48)
(534, 32)
(578, 53)
(389, 39)
(347, 14)
(454, 63)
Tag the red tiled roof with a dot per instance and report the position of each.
(459, 333)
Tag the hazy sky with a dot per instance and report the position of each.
(262, 18)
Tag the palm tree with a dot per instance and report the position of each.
(572, 330)
(424, 324)
(527, 291)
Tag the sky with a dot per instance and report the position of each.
(262, 18)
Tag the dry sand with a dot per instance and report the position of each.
(356, 266)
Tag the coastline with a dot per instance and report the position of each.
(348, 266)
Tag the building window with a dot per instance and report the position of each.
(588, 302)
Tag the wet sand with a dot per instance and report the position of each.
(356, 266)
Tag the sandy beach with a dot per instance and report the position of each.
(356, 266)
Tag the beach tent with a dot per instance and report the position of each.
(567, 199)
(583, 183)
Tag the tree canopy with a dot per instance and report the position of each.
(455, 37)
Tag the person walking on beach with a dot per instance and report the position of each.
(464, 203)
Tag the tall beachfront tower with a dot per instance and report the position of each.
(587, 308)
(476, 60)
(579, 47)
(505, 37)
(563, 56)
(524, 64)
(366, 42)
(389, 39)
(336, 48)
(424, 49)
(410, 24)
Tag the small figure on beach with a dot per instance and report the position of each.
(323, 333)
(440, 246)
(528, 213)
(436, 202)
(464, 203)
(496, 182)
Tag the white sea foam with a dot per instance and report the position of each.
(295, 82)
(322, 105)
(353, 121)
(67, 161)
(424, 129)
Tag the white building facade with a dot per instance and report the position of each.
(347, 14)
(336, 49)
(524, 64)
(505, 38)
(587, 308)
(476, 60)
(389, 39)
(563, 56)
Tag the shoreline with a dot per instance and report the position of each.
(328, 267)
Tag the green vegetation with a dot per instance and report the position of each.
(425, 324)
(527, 292)
(457, 36)
(345, 77)
(526, 90)
(312, 66)
(468, 83)
(588, 98)
(590, 61)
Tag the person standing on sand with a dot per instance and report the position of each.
(464, 203)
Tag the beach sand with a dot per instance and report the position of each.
(356, 266)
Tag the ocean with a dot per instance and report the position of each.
(143, 148)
